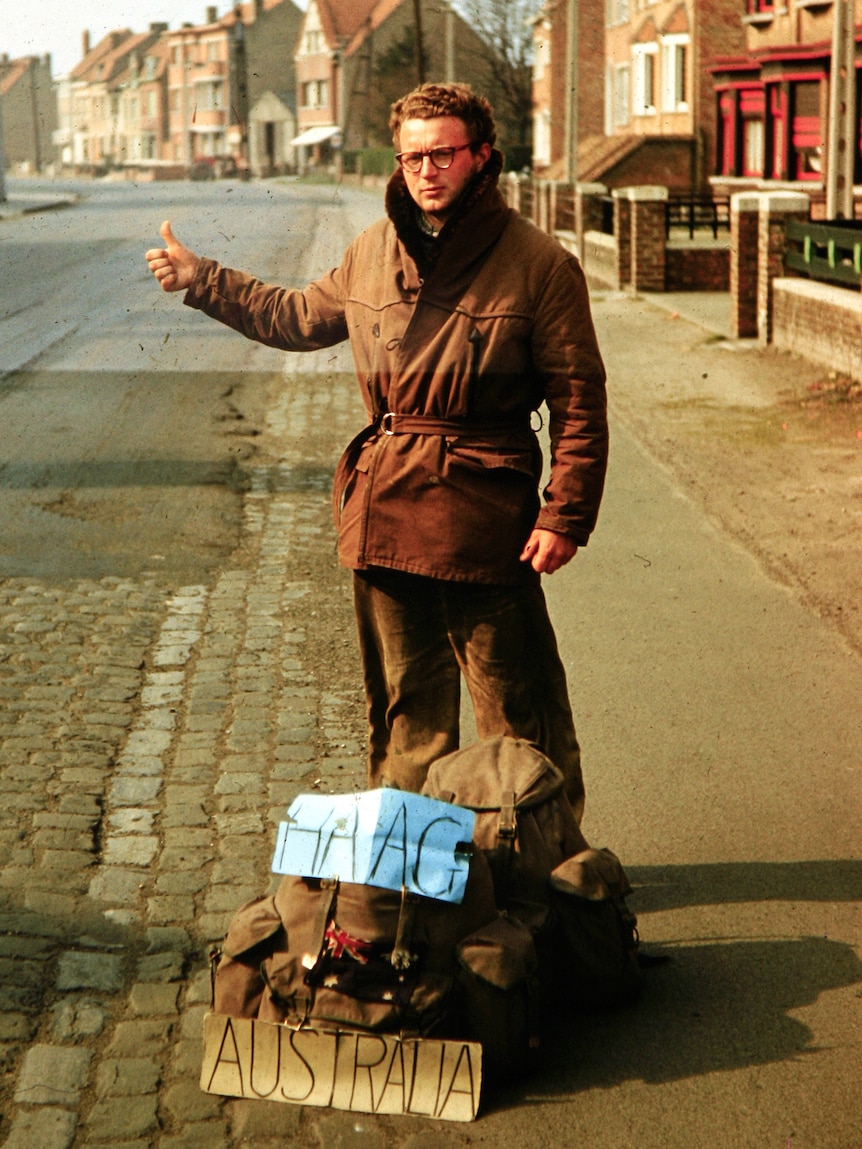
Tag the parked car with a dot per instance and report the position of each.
(218, 167)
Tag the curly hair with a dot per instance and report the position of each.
(459, 100)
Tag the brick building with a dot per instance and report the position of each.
(354, 57)
(773, 98)
(211, 87)
(659, 95)
(566, 115)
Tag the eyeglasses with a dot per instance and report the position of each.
(439, 157)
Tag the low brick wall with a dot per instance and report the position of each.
(693, 266)
(599, 258)
(819, 322)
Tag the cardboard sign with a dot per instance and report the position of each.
(385, 838)
(342, 1069)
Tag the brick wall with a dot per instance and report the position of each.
(819, 321)
(694, 267)
(744, 224)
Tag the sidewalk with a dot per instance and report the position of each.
(709, 309)
(19, 203)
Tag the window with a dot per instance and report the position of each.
(315, 94)
(807, 158)
(542, 53)
(752, 147)
(643, 79)
(618, 96)
(542, 137)
(674, 57)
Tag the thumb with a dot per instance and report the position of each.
(168, 236)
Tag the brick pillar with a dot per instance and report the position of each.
(541, 204)
(552, 206)
(587, 210)
(775, 209)
(744, 230)
(623, 235)
(647, 237)
(513, 191)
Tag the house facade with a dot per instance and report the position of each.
(212, 88)
(658, 84)
(773, 98)
(105, 106)
(355, 57)
(567, 114)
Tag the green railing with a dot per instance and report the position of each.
(828, 251)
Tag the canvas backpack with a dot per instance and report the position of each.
(570, 896)
(524, 822)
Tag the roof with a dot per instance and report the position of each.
(342, 19)
(110, 56)
(379, 14)
(598, 154)
(12, 71)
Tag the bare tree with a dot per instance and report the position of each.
(506, 26)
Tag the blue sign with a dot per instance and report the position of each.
(386, 838)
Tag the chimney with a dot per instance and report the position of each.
(212, 14)
(85, 43)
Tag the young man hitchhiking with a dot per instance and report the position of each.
(463, 318)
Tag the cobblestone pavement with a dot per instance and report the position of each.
(149, 745)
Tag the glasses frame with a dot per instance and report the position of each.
(403, 157)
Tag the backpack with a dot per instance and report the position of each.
(524, 826)
(333, 953)
(339, 954)
(546, 876)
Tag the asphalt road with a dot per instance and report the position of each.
(157, 469)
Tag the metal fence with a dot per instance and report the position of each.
(697, 213)
(826, 251)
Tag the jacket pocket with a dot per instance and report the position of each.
(479, 457)
(348, 465)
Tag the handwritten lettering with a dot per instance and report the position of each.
(357, 1072)
(383, 838)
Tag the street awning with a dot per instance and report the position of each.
(315, 135)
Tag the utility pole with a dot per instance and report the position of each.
(571, 152)
(449, 17)
(2, 157)
(420, 53)
(841, 148)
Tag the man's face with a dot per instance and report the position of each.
(437, 190)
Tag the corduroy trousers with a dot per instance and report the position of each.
(419, 635)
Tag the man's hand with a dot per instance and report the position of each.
(547, 551)
(174, 266)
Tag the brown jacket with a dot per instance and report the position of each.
(473, 340)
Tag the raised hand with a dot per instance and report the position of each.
(174, 265)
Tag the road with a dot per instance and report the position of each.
(177, 661)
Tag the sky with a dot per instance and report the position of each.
(37, 27)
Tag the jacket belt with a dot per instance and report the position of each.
(394, 423)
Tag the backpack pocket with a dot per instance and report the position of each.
(597, 931)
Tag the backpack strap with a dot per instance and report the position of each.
(324, 913)
(402, 957)
(507, 832)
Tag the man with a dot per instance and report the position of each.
(463, 318)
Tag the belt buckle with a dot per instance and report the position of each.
(387, 423)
